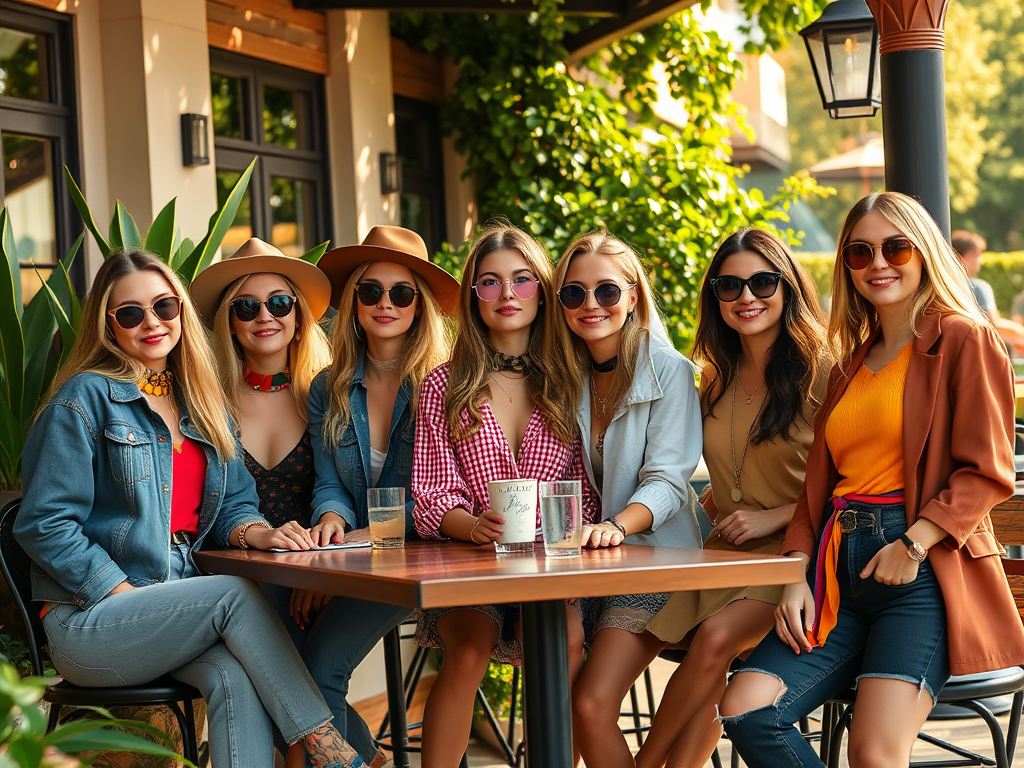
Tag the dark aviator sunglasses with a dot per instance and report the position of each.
(279, 305)
(370, 294)
(573, 296)
(131, 315)
(762, 285)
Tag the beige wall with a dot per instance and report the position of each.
(361, 117)
(459, 193)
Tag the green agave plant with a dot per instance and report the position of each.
(24, 742)
(35, 338)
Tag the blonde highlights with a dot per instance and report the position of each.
(944, 288)
(426, 347)
(309, 352)
(634, 332)
(548, 379)
(195, 380)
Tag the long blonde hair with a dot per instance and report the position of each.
(308, 353)
(195, 381)
(944, 289)
(548, 380)
(636, 329)
(426, 347)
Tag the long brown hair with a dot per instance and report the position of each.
(548, 380)
(636, 329)
(426, 347)
(191, 360)
(309, 352)
(797, 357)
(944, 288)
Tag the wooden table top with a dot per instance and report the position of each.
(446, 574)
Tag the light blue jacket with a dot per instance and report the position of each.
(652, 446)
(97, 503)
(343, 470)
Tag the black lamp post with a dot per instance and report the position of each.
(898, 64)
(843, 46)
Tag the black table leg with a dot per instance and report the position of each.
(396, 697)
(546, 670)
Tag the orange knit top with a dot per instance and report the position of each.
(864, 432)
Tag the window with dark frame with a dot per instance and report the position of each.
(38, 137)
(276, 114)
(418, 140)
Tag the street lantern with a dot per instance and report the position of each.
(843, 47)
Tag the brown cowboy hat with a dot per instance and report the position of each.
(253, 257)
(399, 246)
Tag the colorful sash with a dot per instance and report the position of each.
(826, 583)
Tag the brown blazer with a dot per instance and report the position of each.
(958, 406)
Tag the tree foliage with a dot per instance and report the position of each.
(562, 148)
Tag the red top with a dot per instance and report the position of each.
(188, 484)
(449, 473)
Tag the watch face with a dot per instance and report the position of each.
(918, 551)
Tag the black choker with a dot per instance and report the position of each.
(513, 363)
(607, 366)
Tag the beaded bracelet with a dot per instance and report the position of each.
(246, 526)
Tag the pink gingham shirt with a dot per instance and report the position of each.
(449, 473)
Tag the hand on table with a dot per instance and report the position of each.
(330, 530)
(291, 535)
(304, 604)
(600, 535)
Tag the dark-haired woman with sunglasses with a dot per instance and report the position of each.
(263, 307)
(498, 410)
(912, 448)
(130, 468)
(760, 337)
(637, 410)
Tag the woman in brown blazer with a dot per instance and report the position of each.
(912, 449)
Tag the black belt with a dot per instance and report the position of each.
(183, 537)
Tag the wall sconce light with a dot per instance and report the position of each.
(390, 173)
(195, 142)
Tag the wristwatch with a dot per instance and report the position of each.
(915, 550)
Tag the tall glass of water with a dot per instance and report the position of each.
(387, 517)
(561, 513)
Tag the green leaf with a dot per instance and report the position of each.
(161, 235)
(314, 254)
(12, 344)
(123, 231)
(68, 333)
(109, 740)
(220, 223)
(86, 213)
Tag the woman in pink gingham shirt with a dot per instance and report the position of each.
(504, 386)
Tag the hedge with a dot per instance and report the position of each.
(1003, 271)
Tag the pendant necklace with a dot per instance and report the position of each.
(495, 377)
(749, 395)
(600, 400)
(737, 493)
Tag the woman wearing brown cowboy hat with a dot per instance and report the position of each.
(388, 334)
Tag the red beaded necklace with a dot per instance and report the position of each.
(266, 382)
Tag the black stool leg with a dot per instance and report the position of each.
(634, 701)
(191, 748)
(465, 760)
(54, 717)
(396, 698)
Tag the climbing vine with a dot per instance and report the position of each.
(561, 146)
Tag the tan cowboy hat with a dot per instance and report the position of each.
(399, 246)
(253, 257)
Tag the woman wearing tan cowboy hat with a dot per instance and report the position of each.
(388, 334)
(263, 308)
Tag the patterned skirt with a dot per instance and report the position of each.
(633, 613)
(507, 650)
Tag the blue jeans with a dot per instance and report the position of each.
(333, 645)
(217, 633)
(888, 631)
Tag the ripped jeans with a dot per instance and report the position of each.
(888, 631)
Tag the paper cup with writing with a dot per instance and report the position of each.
(516, 502)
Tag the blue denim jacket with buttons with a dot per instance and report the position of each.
(343, 470)
(97, 492)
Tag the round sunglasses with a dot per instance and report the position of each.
(896, 250)
(606, 294)
(131, 315)
(370, 294)
(762, 285)
(489, 289)
(278, 305)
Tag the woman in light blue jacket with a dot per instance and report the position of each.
(639, 414)
(130, 467)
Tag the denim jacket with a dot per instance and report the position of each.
(343, 470)
(652, 446)
(97, 504)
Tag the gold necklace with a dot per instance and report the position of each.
(750, 395)
(737, 493)
(494, 378)
(600, 400)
